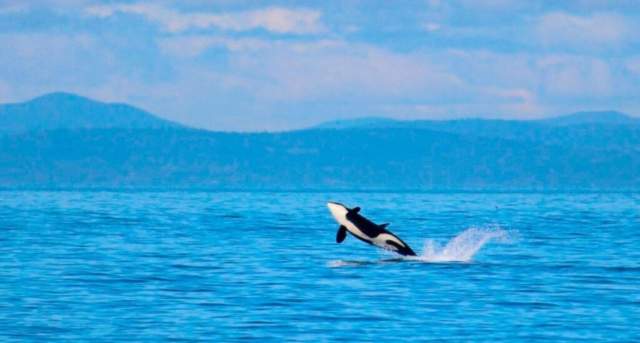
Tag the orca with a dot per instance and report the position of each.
(352, 221)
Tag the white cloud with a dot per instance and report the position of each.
(37, 63)
(552, 76)
(515, 101)
(295, 71)
(280, 83)
(597, 30)
(292, 71)
(42, 51)
(508, 110)
(339, 70)
(575, 76)
(273, 19)
(194, 45)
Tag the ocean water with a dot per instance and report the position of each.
(225, 267)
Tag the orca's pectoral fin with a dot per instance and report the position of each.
(342, 234)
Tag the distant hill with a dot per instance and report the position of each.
(540, 130)
(365, 122)
(578, 118)
(69, 111)
(94, 145)
(594, 117)
(388, 159)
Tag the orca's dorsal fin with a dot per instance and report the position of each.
(356, 209)
(383, 226)
(342, 234)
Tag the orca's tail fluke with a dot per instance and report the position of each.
(406, 251)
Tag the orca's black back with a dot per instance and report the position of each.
(372, 230)
(368, 227)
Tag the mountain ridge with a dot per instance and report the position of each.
(576, 118)
(383, 154)
(61, 110)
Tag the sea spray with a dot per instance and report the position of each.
(462, 247)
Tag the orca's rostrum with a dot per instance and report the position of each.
(352, 221)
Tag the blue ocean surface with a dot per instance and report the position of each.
(261, 266)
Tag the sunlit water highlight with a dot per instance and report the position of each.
(226, 267)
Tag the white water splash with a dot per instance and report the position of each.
(462, 247)
(340, 263)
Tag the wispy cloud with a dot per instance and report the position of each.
(332, 69)
(232, 65)
(194, 45)
(571, 76)
(272, 19)
(596, 30)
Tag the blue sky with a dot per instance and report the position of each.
(271, 65)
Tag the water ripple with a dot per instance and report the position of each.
(194, 266)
